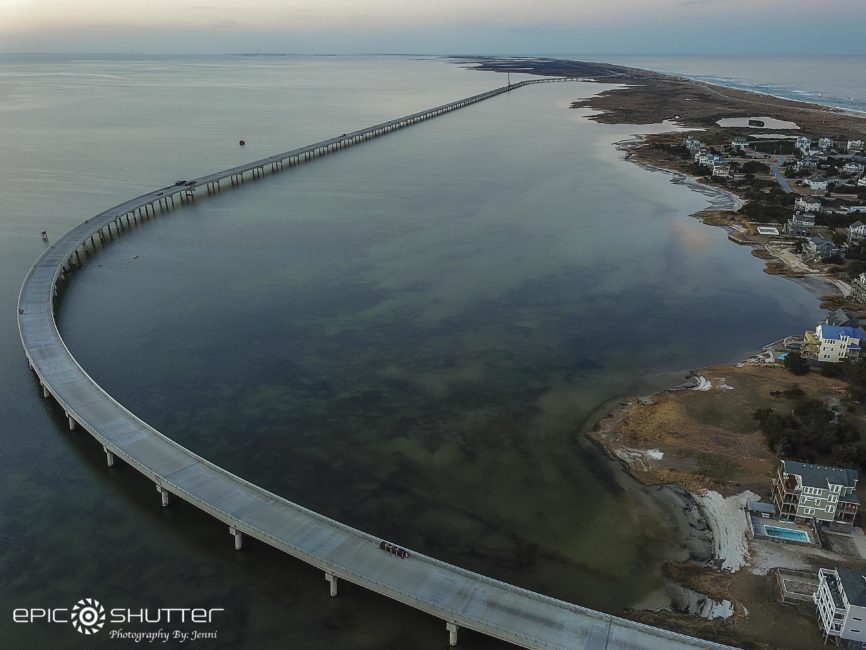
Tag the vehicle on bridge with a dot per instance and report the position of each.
(400, 552)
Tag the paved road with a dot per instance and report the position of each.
(777, 172)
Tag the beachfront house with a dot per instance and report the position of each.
(841, 318)
(819, 249)
(841, 603)
(803, 143)
(818, 185)
(858, 288)
(832, 344)
(800, 225)
(721, 170)
(692, 144)
(804, 493)
(861, 182)
(854, 146)
(711, 160)
(856, 232)
(806, 165)
(825, 144)
(852, 169)
(807, 204)
(740, 143)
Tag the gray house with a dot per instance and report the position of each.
(803, 492)
(841, 318)
(800, 225)
(819, 249)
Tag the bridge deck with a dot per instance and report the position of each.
(448, 592)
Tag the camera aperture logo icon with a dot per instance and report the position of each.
(88, 616)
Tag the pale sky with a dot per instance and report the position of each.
(436, 27)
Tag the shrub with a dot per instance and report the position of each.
(795, 363)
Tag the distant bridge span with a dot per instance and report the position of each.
(459, 597)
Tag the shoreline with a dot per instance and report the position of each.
(829, 107)
(818, 282)
(836, 109)
(642, 98)
(730, 202)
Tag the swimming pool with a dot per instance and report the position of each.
(787, 533)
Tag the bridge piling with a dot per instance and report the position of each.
(109, 457)
(45, 393)
(164, 494)
(452, 633)
(332, 580)
(71, 421)
(239, 537)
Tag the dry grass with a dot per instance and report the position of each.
(709, 438)
(758, 629)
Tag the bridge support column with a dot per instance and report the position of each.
(71, 421)
(239, 537)
(164, 493)
(452, 633)
(332, 581)
(109, 457)
(45, 393)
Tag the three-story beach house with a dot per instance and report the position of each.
(826, 495)
(832, 344)
(800, 225)
(807, 204)
(841, 603)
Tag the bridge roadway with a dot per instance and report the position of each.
(459, 597)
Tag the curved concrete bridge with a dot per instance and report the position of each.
(459, 597)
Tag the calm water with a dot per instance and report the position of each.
(406, 335)
(832, 80)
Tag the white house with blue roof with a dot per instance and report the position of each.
(832, 343)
